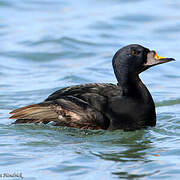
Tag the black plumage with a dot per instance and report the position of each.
(127, 105)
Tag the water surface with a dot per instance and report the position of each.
(50, 44)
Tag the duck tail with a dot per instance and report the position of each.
(35, 113)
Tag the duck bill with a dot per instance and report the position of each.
(154, 59)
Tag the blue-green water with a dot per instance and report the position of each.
(49, 44)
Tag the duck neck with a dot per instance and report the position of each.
(132, 85)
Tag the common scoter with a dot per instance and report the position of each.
(127, 105)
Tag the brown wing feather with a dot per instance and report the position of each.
(79, 90)
(81, 106)
(34, 114)
(54, 111)
(22, 108)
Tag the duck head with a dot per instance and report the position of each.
(135, 59)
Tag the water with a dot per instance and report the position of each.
(50, 44)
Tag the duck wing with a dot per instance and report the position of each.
(81, 106)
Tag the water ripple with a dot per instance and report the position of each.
(50, 45)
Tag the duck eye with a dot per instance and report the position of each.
(134, 52)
